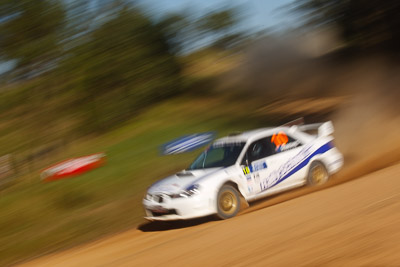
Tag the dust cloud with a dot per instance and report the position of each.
(360, 93)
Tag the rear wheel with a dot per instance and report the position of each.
(317, 175)
(228, 202)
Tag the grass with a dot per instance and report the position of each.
(37, 218)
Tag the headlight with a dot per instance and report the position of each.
(147, 196)
(188, 192)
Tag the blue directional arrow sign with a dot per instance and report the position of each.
(187, 143)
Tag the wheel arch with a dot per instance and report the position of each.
(314, 162)
(319, 159)
(243, 200)
(235, 185)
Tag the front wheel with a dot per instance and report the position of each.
(228, 202)
(317, 175)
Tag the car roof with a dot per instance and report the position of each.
(250, 135)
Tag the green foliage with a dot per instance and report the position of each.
(176, 28)
(218, 21)
(71, 199)
(82, 71)
(216, 29)
(114, 62)
(107, 62)
(30, 32)
(126, 65)
(365, 24)
(37, 217)
(220, 24)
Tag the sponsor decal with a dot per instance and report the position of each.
(246, 170)
(293, 165)
(254, 167)
(258, 166)
(288, 146)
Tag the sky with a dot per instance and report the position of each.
(256, 14)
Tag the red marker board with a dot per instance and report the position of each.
(72, 167)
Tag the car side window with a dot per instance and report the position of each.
(282, 142)
(257, 150)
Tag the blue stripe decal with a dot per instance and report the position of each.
(302, 164)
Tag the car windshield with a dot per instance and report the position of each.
(218, 155)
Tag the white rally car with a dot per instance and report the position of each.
(245, 167)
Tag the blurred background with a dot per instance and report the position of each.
(123, 77)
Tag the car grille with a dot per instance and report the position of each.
(167, 212)
(156, 198)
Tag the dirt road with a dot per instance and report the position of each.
(352, 224)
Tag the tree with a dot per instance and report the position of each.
(219, 21)
(186, 33)
(365, 24)
(219, 25)
(30, 33)
(176, 29)
(125, 65)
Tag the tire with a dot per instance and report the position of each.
(228, 202)
(317, 174)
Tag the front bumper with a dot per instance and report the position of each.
(178, 208)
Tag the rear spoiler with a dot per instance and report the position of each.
(297, 122)
(324, 128)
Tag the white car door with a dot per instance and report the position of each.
(278, 177)
(265, 157)
(255, 165)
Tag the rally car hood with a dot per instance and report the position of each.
(180, 181)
